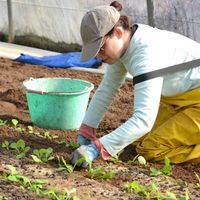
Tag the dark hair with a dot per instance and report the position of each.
(124, 20)
(116, 5)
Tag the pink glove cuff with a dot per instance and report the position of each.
(104, 154)
(87, 132)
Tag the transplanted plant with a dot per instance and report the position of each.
(20, 147)
(5, 145)
(198, 179)
(63, 165)
(13, 176)
(99, 173)
(152, 192)
(37, 186)
(2, 122)
(3, 198)
(42, 155)
(55, 195)
(15, 122)
(166, 169)
(70, 144)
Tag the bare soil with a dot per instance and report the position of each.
(13, 105)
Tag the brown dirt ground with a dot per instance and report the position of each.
(13, 104)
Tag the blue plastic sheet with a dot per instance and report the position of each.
(62, 60)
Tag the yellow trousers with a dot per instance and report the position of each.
(176, 132)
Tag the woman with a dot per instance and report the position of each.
(166, 114)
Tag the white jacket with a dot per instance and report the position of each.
(150, 49)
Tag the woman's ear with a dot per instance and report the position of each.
(118, 31)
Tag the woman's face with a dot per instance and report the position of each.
(113, 47)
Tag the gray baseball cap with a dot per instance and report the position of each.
(95, 24)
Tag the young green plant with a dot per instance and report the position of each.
(15, 122)
(2, 122)
(42, 155)
(166, 169)
(5, 145)
(63, 165)
(99, 173)
(19, 147)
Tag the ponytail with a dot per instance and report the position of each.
(124, 20)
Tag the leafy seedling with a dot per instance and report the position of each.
(15, 123)
(13, 176)
(36, 185)
(72, 144)
(152, 191)
(63, 165)
(166, 169)
(116, 158)
(55, 195)
(49, 136)
(5, 145)
(137, 188)
(2, 122)
(3, 198)
(20, 147)
(198, 179)
(99, 173)
(42, 155)
(30, 129)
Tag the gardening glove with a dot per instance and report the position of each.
(87, 152)
(86, 135)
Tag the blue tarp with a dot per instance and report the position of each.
(62, 60)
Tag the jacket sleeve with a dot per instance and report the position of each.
(112, 80)
(146, 104)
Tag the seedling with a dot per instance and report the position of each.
(166, 169)
(20, 147)
(152, 192)
(198, 179)
(3, 198)
(37, 185)
(2, 122)
(13, 176)
(15, 123)
(45, 135)
(5, 144)
(99, 173)
(55, 195)
(63, 165)
(135, 187)
(42, 155)
(49, 136)
(115, 158)
(30, 129)
(72, 144)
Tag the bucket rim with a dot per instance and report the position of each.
(87, 89)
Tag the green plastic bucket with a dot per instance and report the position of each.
(57, 103)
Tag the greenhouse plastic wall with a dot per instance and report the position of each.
(60, 20)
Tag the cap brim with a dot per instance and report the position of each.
(89, 51)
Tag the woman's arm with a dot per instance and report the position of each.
(113, 79)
